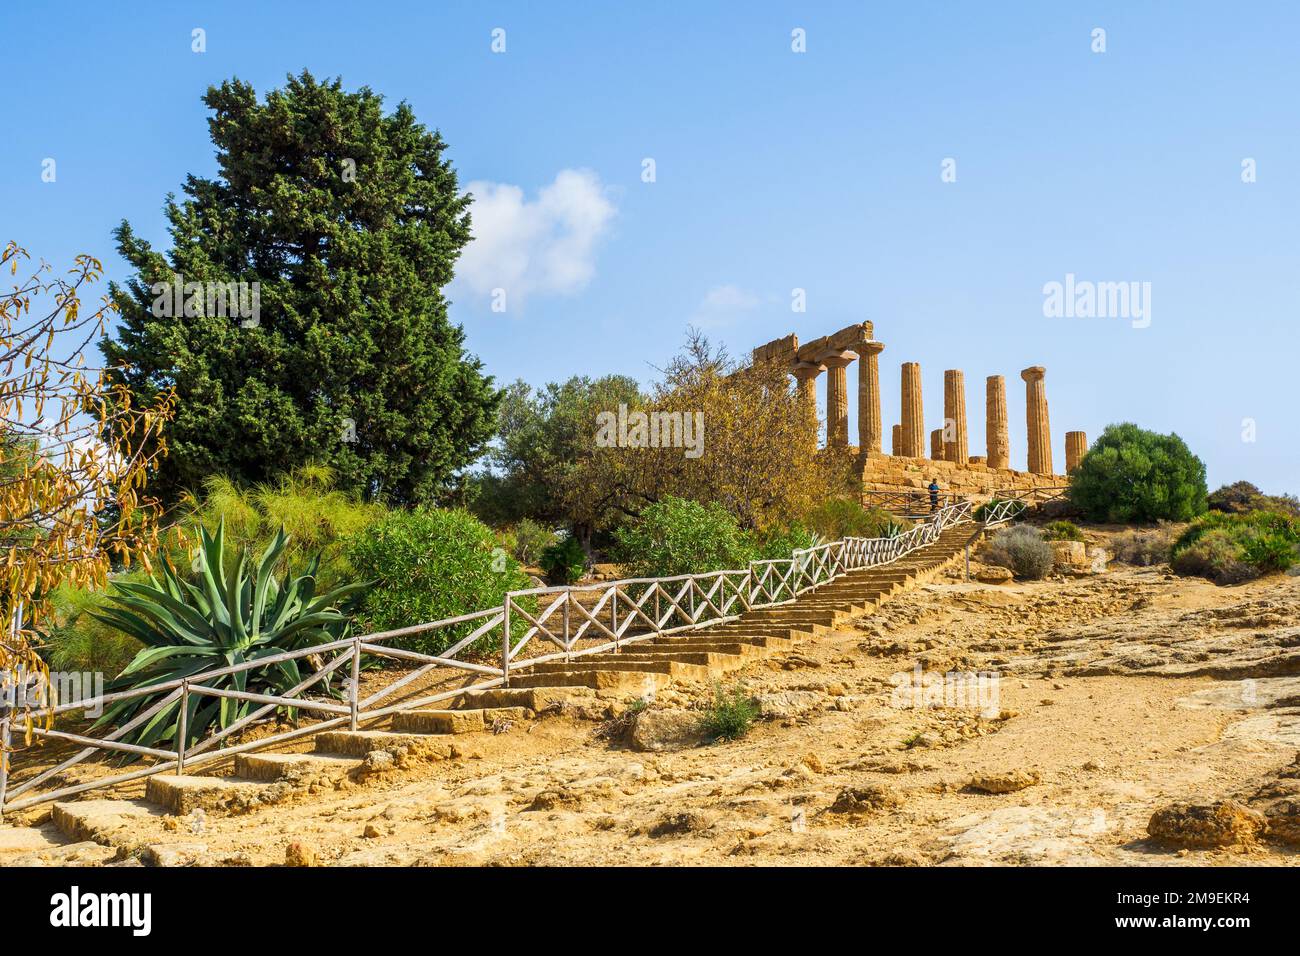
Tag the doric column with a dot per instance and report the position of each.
(805, 374)
(869, 424)
(913, 436)
(936, 445)
(1076, 446)
(997, 442)
(837, 397)
(896, 440)
(957, 448)
(1040, 434)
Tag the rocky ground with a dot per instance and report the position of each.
(1104, 701)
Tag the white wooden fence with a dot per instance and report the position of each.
(560, 622)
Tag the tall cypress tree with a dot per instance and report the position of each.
(349, 221)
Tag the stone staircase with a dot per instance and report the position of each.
(704, 655)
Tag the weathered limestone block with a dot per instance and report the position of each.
(778, 350)
(893, 473)
(896, 440)
(847, 338)
(936, 444)
(1069, 555)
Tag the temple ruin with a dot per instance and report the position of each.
(906, 467)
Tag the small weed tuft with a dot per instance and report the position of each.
(731, 714)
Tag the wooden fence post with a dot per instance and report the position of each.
(4, 762)
(505, 641)
(182, 727)
(356, 682)
(568, 600)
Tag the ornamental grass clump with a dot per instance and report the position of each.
(1022, 550)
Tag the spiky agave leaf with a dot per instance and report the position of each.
(225, 614)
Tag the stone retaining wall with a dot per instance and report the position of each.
(975, 478)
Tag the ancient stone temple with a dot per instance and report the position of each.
(906, 467)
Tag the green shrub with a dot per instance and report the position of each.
(1287, 504)
(730, 716)
(1230, 547)
(531, 539)
(564, 561)
(836, 518)
(430, 564)
(1271, 552)
(781, 542)
(79, 641)
(1236, 497)
(1144, 548)
(317, 518)
(1134, 475)
(1242, 496)
(223, 613)
(1023, 550)
(505, 539)
(1214, 555)
(1062, 531)
(676, 536)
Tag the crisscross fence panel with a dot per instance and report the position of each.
(1000, 512)
(530, 627)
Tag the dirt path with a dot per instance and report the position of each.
(1118, 694)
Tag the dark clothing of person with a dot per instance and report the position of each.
(934, 496)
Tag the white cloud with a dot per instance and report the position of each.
(546, 246)
(729, 298)
(722, 305)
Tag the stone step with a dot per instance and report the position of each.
(535, 699)
(673, 667)
(272, 766)
(815, 623)
(741, 632)
(23, 841)
(98, 820)
(359, 743)
(182, 795)
(866, 586)
(46, 846)
(735, 643)
(837, 606)
(859, 592)
(713, 660)
(465, 721)
(633, 682)
(813, 626)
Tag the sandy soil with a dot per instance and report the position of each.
(1111, 695)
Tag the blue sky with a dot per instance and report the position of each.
(775, 171)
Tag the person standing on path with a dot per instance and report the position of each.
(934, 495)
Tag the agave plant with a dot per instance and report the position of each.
(222, 615)
(892, 529)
